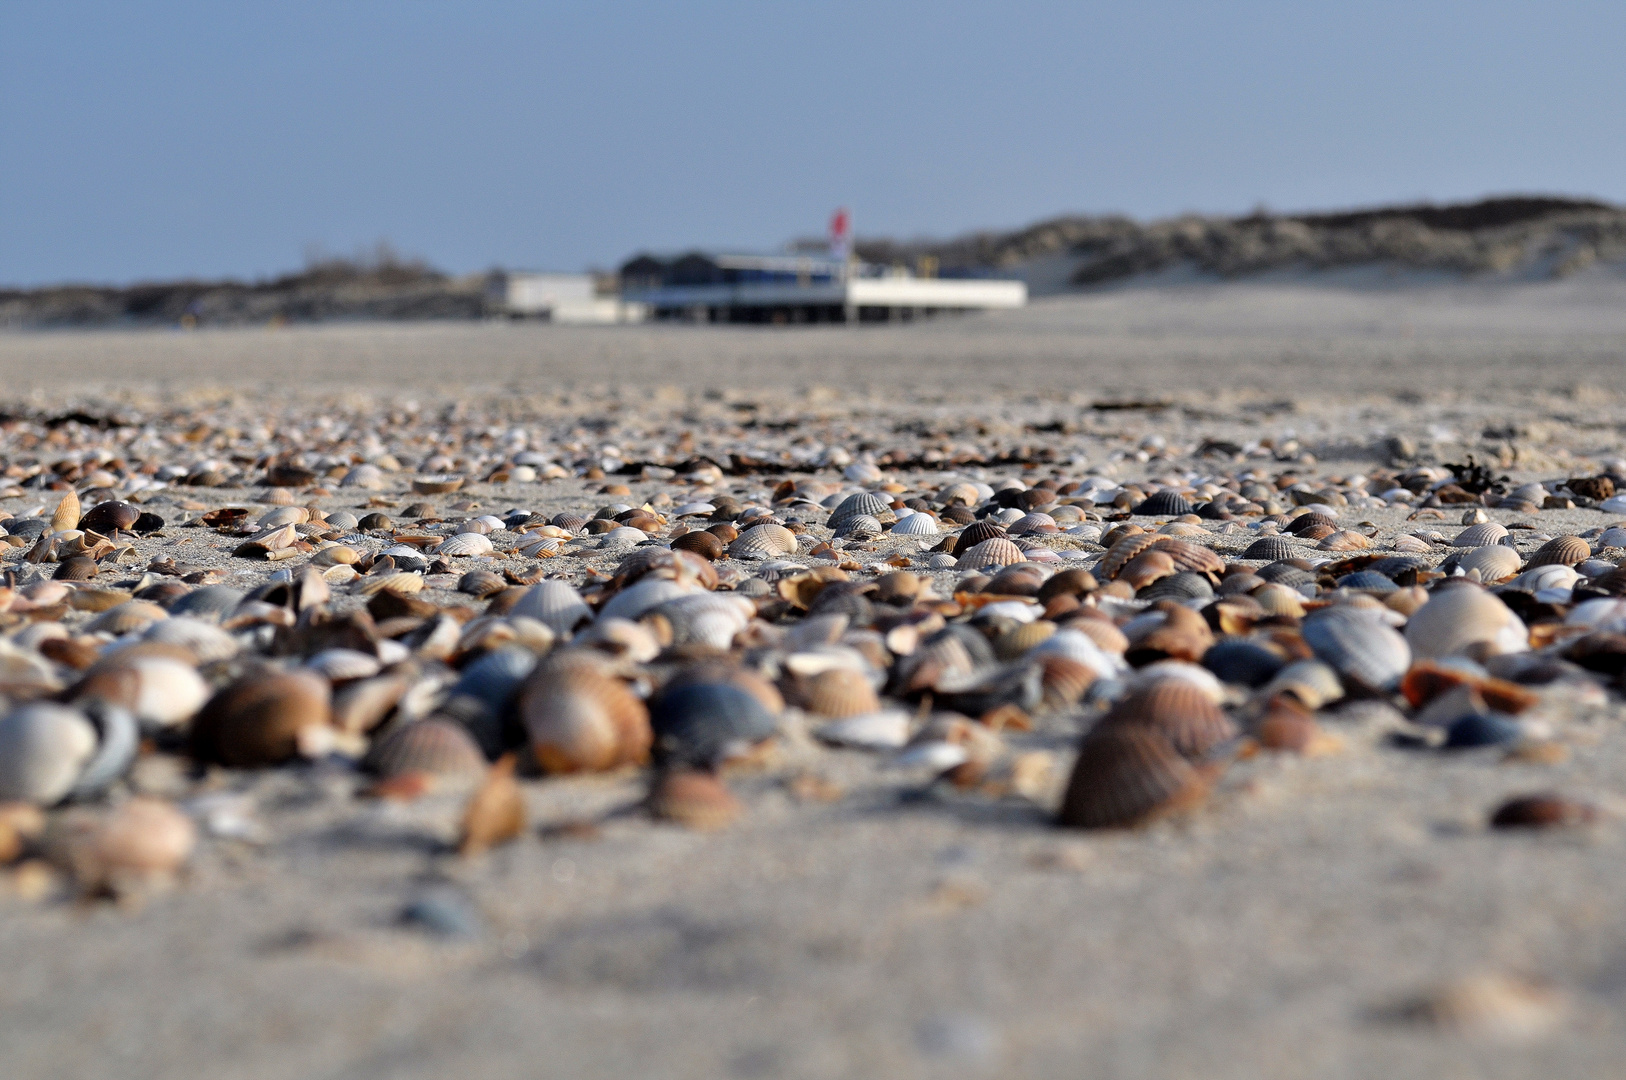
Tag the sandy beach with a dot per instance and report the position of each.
(870, 925)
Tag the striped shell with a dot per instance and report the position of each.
(130, 617)
(481, 583)
(1186, 556)
(440, 748)
(1311, 521)
(864, 502)
(915, 525)
(1465, 620)
(1164, 503)
(1033, 523)
(1363, 650)
(765, 541)
(694, 799)
(580, 718)
(623, 534)
(571, 523)
(839, 693)
(1344, 540)
(1020, 638)
(1180, 711)
(1182, 586)
(1064, 681)
(995, 552)
(465, 544)
(1550, 576)
(1127, 776)
(1562, 551)
(555, 604)
(1482, 535)
(710, 619)
(974, 534)
(646, 593)
(860, 527)
(1312, 682)
(1494, 563)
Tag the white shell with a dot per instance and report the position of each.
(1462, 618)
(338, 665)
(207, 641)
(885, 730)
(634, 600)
(916, 524)
(624, 534)
(763, 542)
(541, 548)
(465, 543)
(1547, 577)
(1614, 536)
(707, 618)
(1601, 614)
(1493, 563)
(1077, 646)
(285, 515)
(1616, 505)
(370, 477)
(43, 749)
(556, 605)
(1491, 532)
(942, 560)
(168, 692)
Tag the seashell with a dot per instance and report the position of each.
(1102, 632)
(1465, 620)
(109, 516)
(1181, 587)
(1287, 725)
(494, 679)
(397, 584)
(1490, 532)
(287, 515)
(860, 527)
(1366, 652)
(464, 544)
(43, 750)
(67, 513)
(1243, 663)
(941, 561)
(495, 813)
(1543, 811)
(884, 730)
(541, 547)
(632, 601)
(693, 799)
(1031, 523)
(1479, 729)
(997, 551)
(260, 719)
(211, 602)
(703, 724)
(127, 618)
(1367, 581)
(1165, 503)
(1282, 573)
(141, 841)
(704, 544)
(342, 665)
(1614, 536)
(1179, 710)
(622, 638)
(1547, 576)
(580, 717)
(77, 568)
(1128, 775)
(710, 619)
(433, 746)
(481, 583)
(1019, 639)
(623, 535)
(838, 693)
(915, 525)
(1149, 566)
(767, 541)
(863, 503)
(337, 555)
(1344, 540)
(1271, 549)
(1562, 551)
(974, 534)
(1064, 681)
(159, 691)
(1311, 521)
(207, 642)
(1076, 645)
(1495, 563)
(1501, 1008)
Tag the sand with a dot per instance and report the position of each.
(886, 933)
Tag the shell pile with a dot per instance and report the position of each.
(411, 609)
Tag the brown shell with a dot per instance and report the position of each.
(1562, 551)
(434, 746)
(1019, 580)
(1019, 639)
(1073, 582)
(696, 800)
(1543, 811)
(1128, 775)
(1186, 556)
(481, 583)
(997, 551)
(495, 813)
(77, 568)
(974, 534)
(257, 719)
(1344, 540)
(1121, 552)
(1309, 521)
(1104, 632)
(1178, 709)
(707, 545)
(1149, 566)
(1287, 725)
(1065, 682)
(580, 717)
(838, 693)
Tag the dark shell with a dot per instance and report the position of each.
(1478, 729)
(1018, 580)
(107, 516)
(375, 522)
(147, 523)
(704, 544)
(1285, 573)
(1073, 582)
(703, 724)
(118, 737)
(1544, 811)
(77, 568)
(1163, 504)
(959, 515)
(1180, 711)
(1242, 663)
(28, 528)
(1563, 551)
(1127, 775)
(213, 602)
(1391, 566)
(1310, 520)
(481, 583)
(1368, 580)
(1271, 549)
(974, 534)
(835, 600)
(489, 685)
(1182, 586)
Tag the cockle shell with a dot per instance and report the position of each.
(1165, 503)
(1547, 576)
(886, 729)
(1344, 540)
(541, 547)
(204, 640)
(159, 691)
(1494, 563)
(1562, 551)
(1126, 776)
(647, 593)
(1272, 549)
(141, 841)
(580, 717)
(1178, 709)
(1483, 535)
(707, 545)
(1366, 652)
(865, 503)
(710, 619)
(555, 604)
(974, 534)
(838, 693)
(438, 747)
(1147, 567)
(1465, 620)
(693, 799)
(767, 541)
(465, 544)
(342, 665)
(997, 551)
(261, 718)
(481, 583)
(915, 525)
(127, 618)
(43, 749)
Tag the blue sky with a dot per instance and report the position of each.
(163, 139)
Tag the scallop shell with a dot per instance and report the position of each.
(1242, 663)
(1367, 581)
(1482, 535)
(440, 748)
(1272, 549)
(1414, 544)
(204, 640)
(709, 619)
(1064, 682)
(1562, 551)
(556, 605)
(128, 618)
(693, 799)
(580, 717)
(1179, 710)
(43, 750)
(465, 544)
(997, 551)
(974, 534)
(915, 525)
(1016, 641)
(1182, 587)
(1033, 523)
(342, 665)
(1165, 503)
(1149, 566)
(481, 583)
(1344, 540)
(258, 720)
(635, 599)
(767, 541)
(1465, 620)
(1312, 521)
(708, 546)
(705, 723)
(1549, 576)
(623, 534)
(1494, 563)
(1310, 681)
(159, 691)
(838, 693)
(1126, 776)
(863, 503)
(287, 515)
(1366, 652)
(140, 841)
(541, 547)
